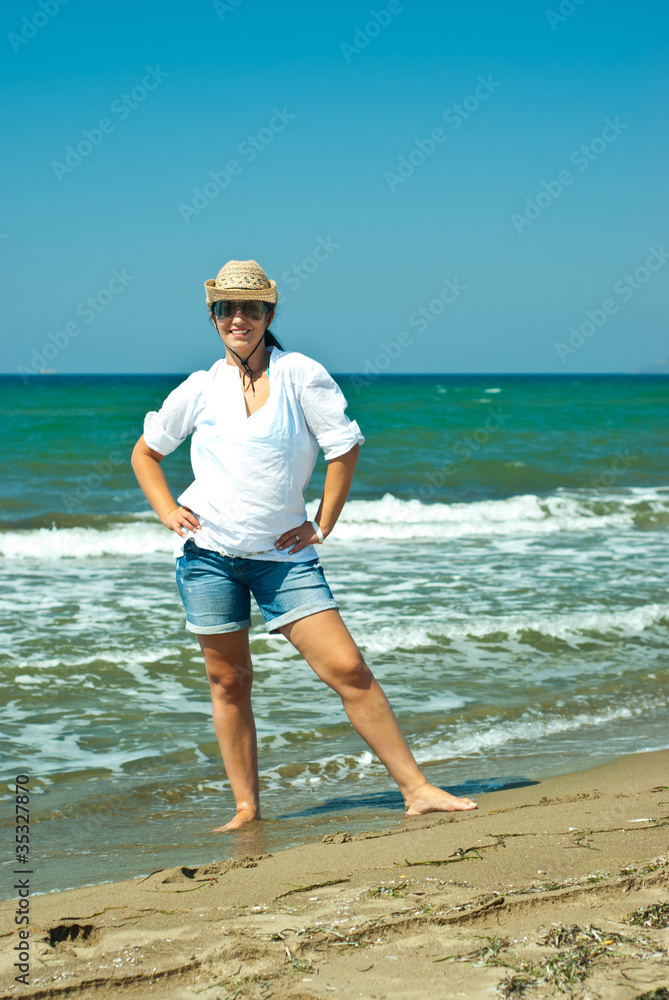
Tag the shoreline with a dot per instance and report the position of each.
(444, 905)
(358, 823)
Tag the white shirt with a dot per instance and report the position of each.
(251, 471)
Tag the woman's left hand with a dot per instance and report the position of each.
(298, 538)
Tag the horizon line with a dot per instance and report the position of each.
(25, 376)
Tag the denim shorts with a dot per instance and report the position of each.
(216, 590)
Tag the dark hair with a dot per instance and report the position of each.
(270, 339)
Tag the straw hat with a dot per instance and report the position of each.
(240, 280)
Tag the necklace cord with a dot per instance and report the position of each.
(247, 367)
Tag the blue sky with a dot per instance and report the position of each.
(435, 187)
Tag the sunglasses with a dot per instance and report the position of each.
(252, 308)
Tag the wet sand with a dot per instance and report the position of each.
(557, 886)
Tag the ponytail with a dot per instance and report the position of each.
(271, 341)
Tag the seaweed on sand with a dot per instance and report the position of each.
(580, 949)
(656, 915)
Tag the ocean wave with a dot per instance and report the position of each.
(127, 539)
(389, 518)
(531, 726)
(56, 748)
(468, 740)
(564, 511)
(567, 626)
(301, 774)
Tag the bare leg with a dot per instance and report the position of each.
(328, 648)
(228, 663)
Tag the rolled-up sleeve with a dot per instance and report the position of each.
(166, 428)
(323, 404)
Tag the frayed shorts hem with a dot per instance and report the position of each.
(302, 612)
(275, 625)
(217, 629)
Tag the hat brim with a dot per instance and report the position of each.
(215, 294)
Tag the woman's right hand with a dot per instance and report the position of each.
(181, 517)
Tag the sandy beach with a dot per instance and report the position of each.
(559, 886)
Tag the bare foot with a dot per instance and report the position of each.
(428, 798)
(242, 817)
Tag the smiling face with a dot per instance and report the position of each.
(240, 333)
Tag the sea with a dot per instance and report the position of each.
(502, 562)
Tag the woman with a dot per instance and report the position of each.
(258, 417)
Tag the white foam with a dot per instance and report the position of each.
(124, 658)
(325, 769)
(394, 519)
(57, 755)
(386, 640)
(366, 520)
(566, 626)
(489, 735)
(128, 539)
(528, 728)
